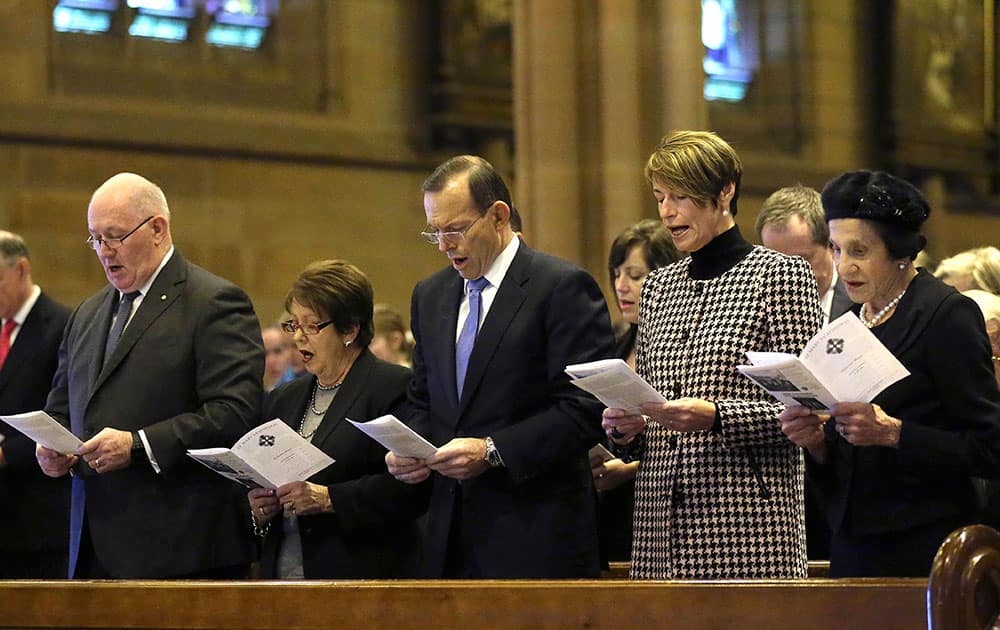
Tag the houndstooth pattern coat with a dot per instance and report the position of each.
(722, 504)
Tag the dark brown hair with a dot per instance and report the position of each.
(339, 291)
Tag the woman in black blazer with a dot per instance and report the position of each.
(896, 473)
(635, 252)
(352, 519)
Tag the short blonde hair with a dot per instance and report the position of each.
(981, 264)
(698, 164)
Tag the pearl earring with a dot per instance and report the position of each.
(348, 342)
(902, 266)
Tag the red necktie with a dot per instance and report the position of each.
(8, 330)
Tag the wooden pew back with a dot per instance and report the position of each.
(401, 605)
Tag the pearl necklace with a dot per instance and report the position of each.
(312, 407)
(871, 323)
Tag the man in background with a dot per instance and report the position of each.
(34, 525)
(167, 357)
(791, 222)
(277, 353)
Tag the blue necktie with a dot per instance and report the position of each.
(467, 338)
(124, 311)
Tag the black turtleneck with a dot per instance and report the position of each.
(719, 256)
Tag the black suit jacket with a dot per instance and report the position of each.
(372, 533)
(533, 517)
(187, 370)
(36, 507)
(841, 302)
(950, 412)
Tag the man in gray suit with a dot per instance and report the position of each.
(791, 222)
(166, 358)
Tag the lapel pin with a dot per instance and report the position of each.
(163, 297)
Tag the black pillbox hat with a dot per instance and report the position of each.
(877, 196)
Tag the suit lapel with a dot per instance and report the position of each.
(29, 339)
(353, 384)
(509, 298)
(163, 292)
(445, 313)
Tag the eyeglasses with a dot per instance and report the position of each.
(307, 329)
(114, 243)
(452, 237)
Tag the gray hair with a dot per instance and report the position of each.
(12, 248)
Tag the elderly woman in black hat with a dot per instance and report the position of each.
(896, 473)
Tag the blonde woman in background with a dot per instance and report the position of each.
(977, 268)
(393, 342)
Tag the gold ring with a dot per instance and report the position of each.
(261, 508)
(97, 463)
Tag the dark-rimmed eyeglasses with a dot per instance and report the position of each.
(452, 237)
(291, 326)
(114, 242)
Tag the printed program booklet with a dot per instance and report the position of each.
(614, 383)
(268, 456)
(844, 362)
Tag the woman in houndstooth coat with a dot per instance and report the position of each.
(719, 494)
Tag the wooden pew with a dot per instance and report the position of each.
(619, 570)
(617, 604)
(964, 588)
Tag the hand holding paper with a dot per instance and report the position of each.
(45, 430)
(844, 362)
(268, 456)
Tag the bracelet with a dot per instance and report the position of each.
(259, 531)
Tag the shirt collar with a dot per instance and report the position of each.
(144, 289)
(22, 313)
(498, 268)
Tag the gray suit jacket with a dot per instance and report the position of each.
(187, 371)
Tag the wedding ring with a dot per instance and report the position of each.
(261, 509)
(97, 463)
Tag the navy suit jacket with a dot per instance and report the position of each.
(533, 517)
(36, 507)
(372, 532)
(187, 370)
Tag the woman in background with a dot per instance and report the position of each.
(392, 342)
(639, 249)
(977, 268)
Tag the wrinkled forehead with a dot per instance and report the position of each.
(112, 210)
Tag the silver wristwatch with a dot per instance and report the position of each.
(492, 454)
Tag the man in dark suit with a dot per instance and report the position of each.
(35, 523)
(513, 496)
(166, 358)
(791, 222)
